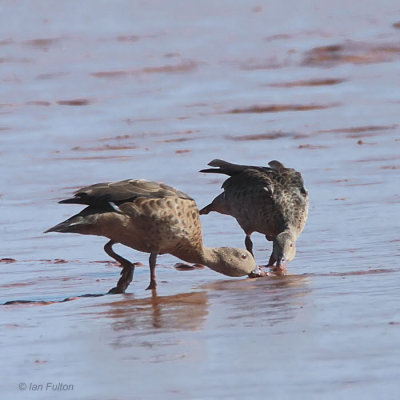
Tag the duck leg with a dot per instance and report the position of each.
(249, 244)
(275, 269)
(152, 263)
(127, 269)
(271, 261)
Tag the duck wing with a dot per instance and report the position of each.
(227, 168)
(116, 193)
(275, 174)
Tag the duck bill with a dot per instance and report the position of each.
(281, 264)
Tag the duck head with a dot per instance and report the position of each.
(284, 249)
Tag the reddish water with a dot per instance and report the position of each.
(97, 91)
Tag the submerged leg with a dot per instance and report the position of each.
(275, 269)
(127, 269)
(249, 244)
(152, 263)
(271, 261)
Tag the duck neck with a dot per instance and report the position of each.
(218, 259)
(290, 231)
(210, 258)
(205, 255)
(190, 252)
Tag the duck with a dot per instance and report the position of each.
(270, 200)
(153, 218)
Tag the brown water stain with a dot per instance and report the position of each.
(279, 36)
(53, 75)
(310, 82)
(113, 74)
(43, 43)
(389, 167)
(128, 38)
(254, 65)
(280, 108)
(171, 55)
(377, 159)
(396, 25)
(60, 261)
(312, 146)
(183, 151)
(16, 60)
(182, 67)
(107, 147)
(74, 102)
(357, 273)
(118, 137)
(87, 158)
(5, 42)
(362, 142)
(41, 361)
(261, 136)
(365, 183)
(38, 103)
(17, 284)
(176, 140)
(134, 37)
(360, 131)
(351, 52)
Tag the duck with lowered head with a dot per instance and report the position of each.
(153, 218)
(269, 200)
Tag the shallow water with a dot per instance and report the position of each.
(93, 92)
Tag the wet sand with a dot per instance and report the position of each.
(92, 92)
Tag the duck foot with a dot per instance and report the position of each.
(125, 280)
(278, 271)
(152, 285)
(116, 290)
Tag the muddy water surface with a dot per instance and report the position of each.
(96, 91)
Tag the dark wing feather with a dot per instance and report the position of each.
(122, 191)
(276, 173)
(224, 167)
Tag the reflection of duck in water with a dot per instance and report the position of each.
(153, 218)
(273, 300)
(270, 200)
(175, 312)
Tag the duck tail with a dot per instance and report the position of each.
(72, 200)
(224, 167)
(205, 210)
(84, 223)
(71, 225)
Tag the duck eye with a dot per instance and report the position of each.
(291, 244)
(244, 256)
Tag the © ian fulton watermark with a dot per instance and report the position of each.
(45, 387)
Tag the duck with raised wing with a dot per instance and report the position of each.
(269, 200)
(153, 218)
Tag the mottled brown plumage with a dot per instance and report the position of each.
(150, 217)
(269, 200)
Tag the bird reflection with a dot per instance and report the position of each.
(185, 311)
(260, 302)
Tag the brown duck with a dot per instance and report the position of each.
(269, 200)
(150, 217)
